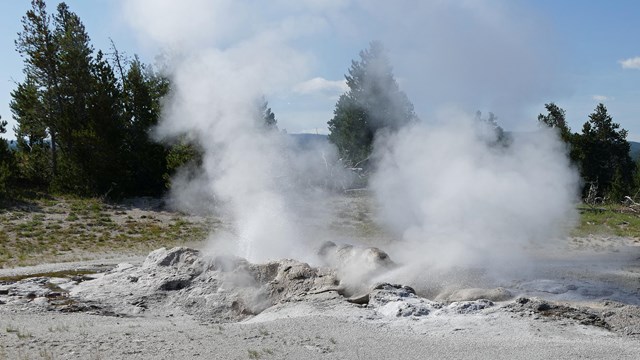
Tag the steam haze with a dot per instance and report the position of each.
(458, 198)
(488, 55)
(450, 197)
(219, 71)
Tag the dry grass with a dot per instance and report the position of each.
(608, 220)
(64, 228)
(43, 228)
(355, 217)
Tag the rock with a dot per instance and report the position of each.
(543, 307)
(399, 290)
(582, 315)
(341, 256)
(522, 300)
(29, 288)
(469, 307)
(41, 301)
(217, 289)
(400, 301)
(181, 259)
(360, 299)
(177, 283)
(622, 318)
(402, 290)
(355, 266)
(471, 294)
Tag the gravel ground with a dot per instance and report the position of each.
(303, 332)
(574, 321)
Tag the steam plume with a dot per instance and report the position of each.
(217, 78)
(458, 198)
(452, 198)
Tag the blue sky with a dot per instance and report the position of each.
(508, 57)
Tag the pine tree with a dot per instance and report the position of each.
(147, 160)
(183, 155)
(80, 129)
(53, 101)
(555, 118)
(36, 44)
(7, 164)
(636, 180)
(28, 111)
(490, 130)
(76, 133)
(604, 151)
(108, 130)
(620, 187)
(374, 102)
(34, 153)
(266, 117)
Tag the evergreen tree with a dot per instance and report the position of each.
(183, 155)
(33, 156)
(620, 187)
(490, 130)
(266, 116)
(76, 133)
(603, 154)
(555, 118)
(147, 160)
(52, 104)
(93, 127)
(7, 165)
(108, 130)
(36, 44)
(636, 180)
(374, 102)
(28, 111)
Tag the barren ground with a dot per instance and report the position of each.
(582, 306)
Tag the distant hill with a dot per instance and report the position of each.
(635, 149)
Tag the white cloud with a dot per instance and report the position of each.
(601, 98)
(631, 63)
(321, 85)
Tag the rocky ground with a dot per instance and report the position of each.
(181, 303)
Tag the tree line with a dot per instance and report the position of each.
(601, 153)
(374, 103)
(84, 117)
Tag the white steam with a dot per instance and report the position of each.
(451, 197)
(217, 77)
(458, 198)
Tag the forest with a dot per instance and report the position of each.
(85, 121)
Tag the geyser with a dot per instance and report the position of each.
(449, 194)
(457, 196)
